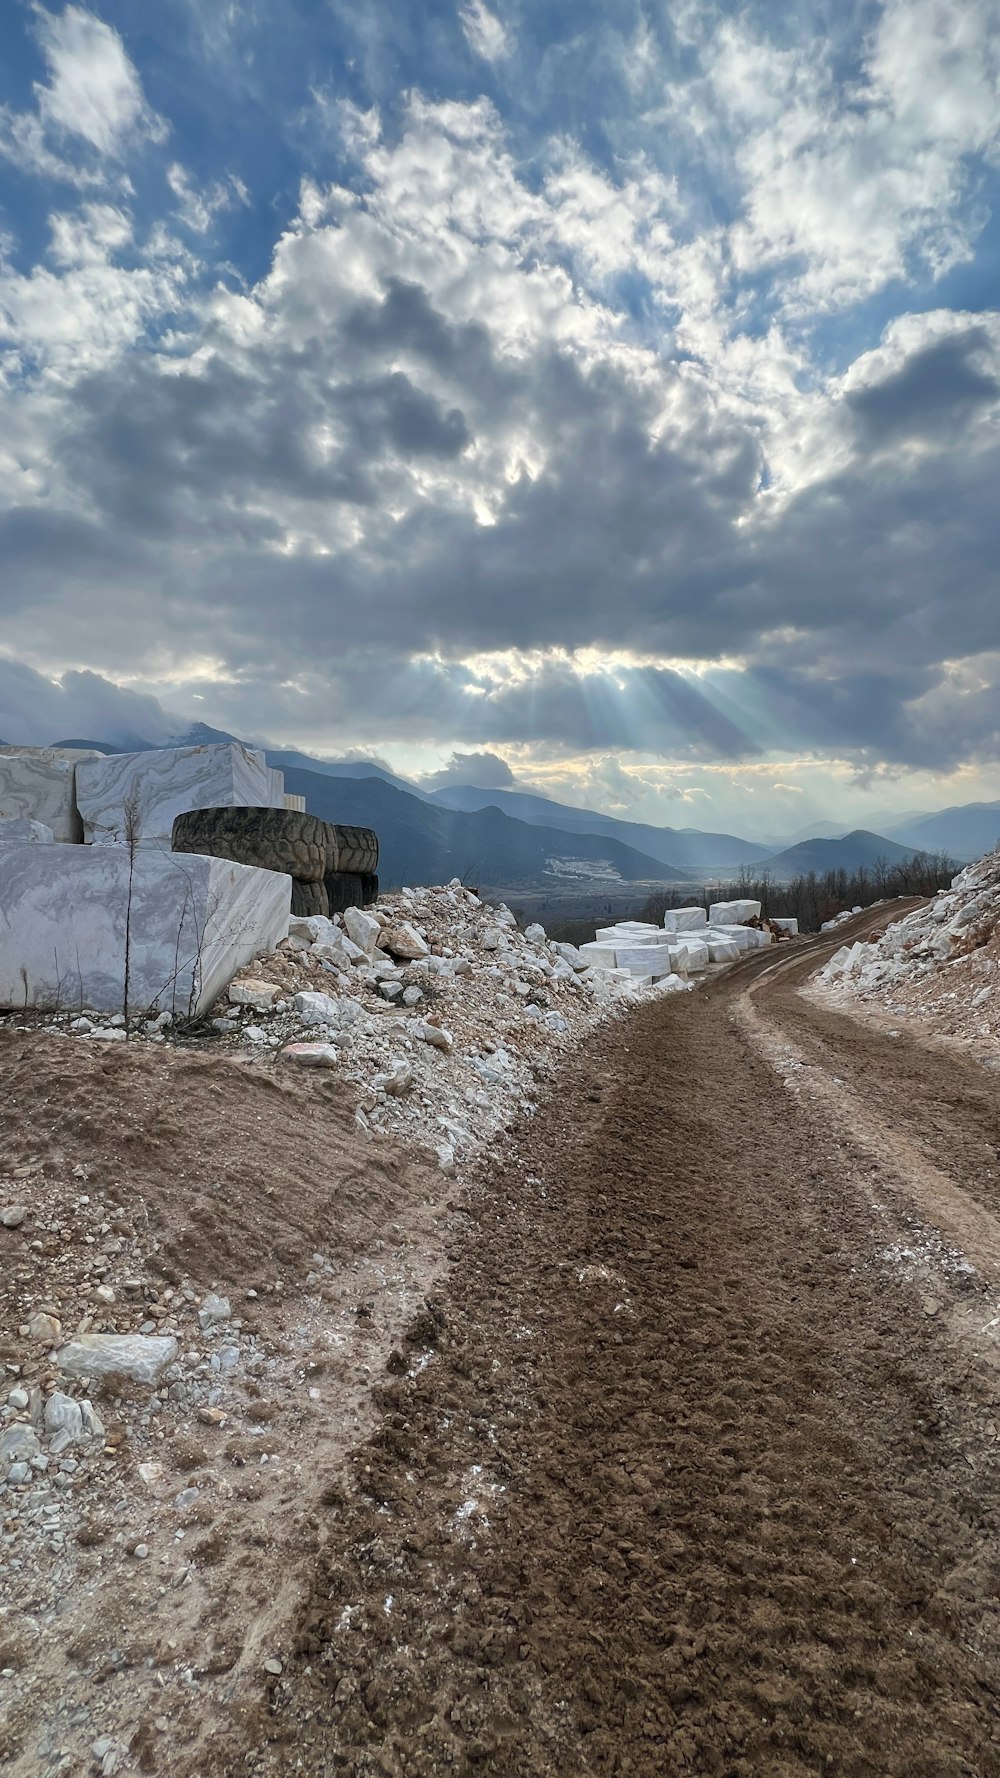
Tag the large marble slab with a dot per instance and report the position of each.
(165, 783)
(193, 922)
(39, 784)
(275, 788)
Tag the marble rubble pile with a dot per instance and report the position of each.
(87, 879)
(939, 965)
(687, 942)
(441, 1014)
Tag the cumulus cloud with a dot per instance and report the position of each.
(36, 711)
(92, 101)
(487, 455)
(487, 771)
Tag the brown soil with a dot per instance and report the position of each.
(698, 1478)
(690, 1465)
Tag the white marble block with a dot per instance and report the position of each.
(684, 919)
(295, 802)
(275, 788)
(733, 913)
(19, 831)
(696, 950)
(787, 923)
(626, 935)
(643, 959)
(741, 936)
(39, 784)
(165, 783)
(598, 956)
(721, 950)
(193, 923)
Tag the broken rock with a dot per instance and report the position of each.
(142, 1357)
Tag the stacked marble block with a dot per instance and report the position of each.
(73, 889)
(688, 941)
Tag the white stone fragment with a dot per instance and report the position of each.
(312, 1055)
(315, 1008)
(192, 921)
(142, 1357)
(363, 930)
(261, 996)
(164, 783)
(403, 940)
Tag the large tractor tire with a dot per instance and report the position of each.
(343, 890)
(309, 899)
(273, 839)
(369, 888)
(353, 849)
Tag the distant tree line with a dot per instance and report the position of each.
(812, 899)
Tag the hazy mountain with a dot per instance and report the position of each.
(853, 851)
(966, 831)
(343, 768)
(685, 849)
(423, 843)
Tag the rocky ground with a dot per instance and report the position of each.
(666, 1440)
(939, 967)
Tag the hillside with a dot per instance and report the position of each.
(966, 831)
(423, 843)
(685, 848)
(859, 850)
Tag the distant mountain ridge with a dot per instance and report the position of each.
(511, 839)
(682, 848)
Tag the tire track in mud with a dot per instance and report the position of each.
(680, 1475)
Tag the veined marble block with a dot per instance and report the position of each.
(39, 784)
(684, 919)
(19, 831)
(165, 783)
(733, 913)
(625, 935)
(787, 923)
(275, 788)
(295, 802)
(193, 923)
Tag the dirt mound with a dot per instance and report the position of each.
(145, 1570)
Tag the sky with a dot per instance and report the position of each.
(599, 399)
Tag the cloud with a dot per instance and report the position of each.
(503, 442)
(92, 102)
(36, 711)
(487, 771)
(484, 33)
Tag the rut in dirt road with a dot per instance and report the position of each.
(690, 1481)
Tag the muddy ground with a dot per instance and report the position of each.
(691, 1460)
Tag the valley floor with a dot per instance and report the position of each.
(672, 1446)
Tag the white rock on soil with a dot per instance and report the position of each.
(213, 1310)
(403, 940)
(13, 1216)
(141, 1357)
(362, 929)
(261, 996)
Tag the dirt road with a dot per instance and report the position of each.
(693, 1465)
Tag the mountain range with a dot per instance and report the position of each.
(513, 839)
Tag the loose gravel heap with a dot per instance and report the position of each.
(939, 965)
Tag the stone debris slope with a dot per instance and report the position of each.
(940, 965)
(441, 1014)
